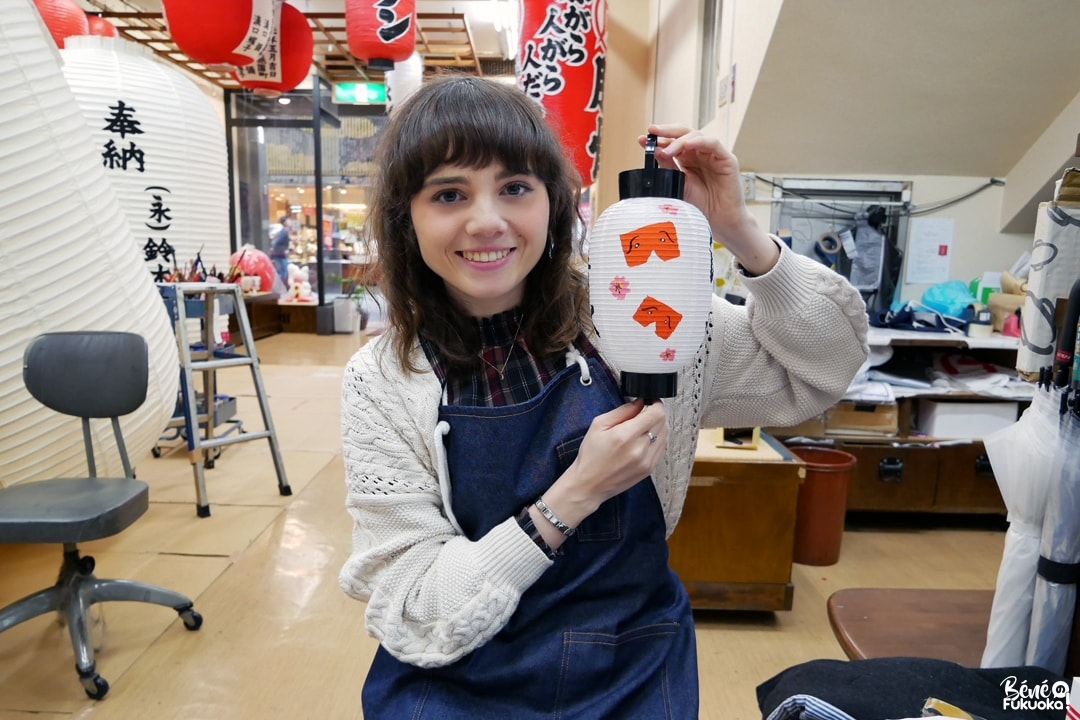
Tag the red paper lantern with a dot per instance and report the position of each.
(381, 33)
(229, 33)
(286, 61)
(101, 26)
(561, 66)
(64, 18)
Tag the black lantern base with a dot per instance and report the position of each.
(650, 386)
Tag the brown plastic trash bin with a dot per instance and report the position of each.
(819, 516)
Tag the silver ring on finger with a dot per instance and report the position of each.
(651, 436)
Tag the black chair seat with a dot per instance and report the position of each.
(66, 510)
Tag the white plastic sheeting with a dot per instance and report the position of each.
(1021, 455)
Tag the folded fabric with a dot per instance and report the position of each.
(897, 687)
(807, 707)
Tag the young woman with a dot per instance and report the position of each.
(511, 509)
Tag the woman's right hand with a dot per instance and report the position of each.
(615, 455)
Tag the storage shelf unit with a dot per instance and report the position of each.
(909, 472)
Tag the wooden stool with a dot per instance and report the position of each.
(925, 623)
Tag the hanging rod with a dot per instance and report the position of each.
(839, 201)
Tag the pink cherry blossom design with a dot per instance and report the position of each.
(668, 355)
(619, 287)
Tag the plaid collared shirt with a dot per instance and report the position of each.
(522, 375)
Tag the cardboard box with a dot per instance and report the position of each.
(814, 427)
(848, 417)
(964, 420)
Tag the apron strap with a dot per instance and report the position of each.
(573, 355)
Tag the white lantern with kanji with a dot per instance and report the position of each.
(162, 145)
(650, 279)
(69, 262)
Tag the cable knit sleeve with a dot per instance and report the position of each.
(432, 594)
(791, 352)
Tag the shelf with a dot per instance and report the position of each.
(883, 337)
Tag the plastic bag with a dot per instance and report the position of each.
(952, 299)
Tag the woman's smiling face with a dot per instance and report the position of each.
(482, 230)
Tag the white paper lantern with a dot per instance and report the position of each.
(650, 279)
(162, 145)
(67, 261)
(401, 82)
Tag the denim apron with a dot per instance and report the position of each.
(606, 632)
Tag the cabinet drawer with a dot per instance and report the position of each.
(891, 478)
(738, 530)
(966, 482)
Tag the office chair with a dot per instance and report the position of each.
(86, 375)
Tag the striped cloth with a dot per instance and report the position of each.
(807, 707)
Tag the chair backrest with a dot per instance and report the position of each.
(89, 374)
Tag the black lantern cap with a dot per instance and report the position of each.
(652, 180)
(648, 385)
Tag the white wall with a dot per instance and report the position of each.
(745, 33)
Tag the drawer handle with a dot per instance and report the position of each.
(891, 469)
(983, 466)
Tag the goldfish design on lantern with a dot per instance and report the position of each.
(650, 279)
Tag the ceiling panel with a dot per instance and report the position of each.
(445, 41)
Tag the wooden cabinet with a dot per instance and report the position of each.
(909, 472)
(966, 481)
(892, 478)
(922, 478)
(734, 542)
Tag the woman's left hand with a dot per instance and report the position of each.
(714, 185)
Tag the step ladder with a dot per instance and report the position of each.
(197, 300)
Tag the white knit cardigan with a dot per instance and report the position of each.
(432, 594)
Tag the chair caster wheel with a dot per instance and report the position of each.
(95, 686)
(155, 451)
(86, 565)
(192, 619)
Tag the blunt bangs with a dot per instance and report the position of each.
(473, 123)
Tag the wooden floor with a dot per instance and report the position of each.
(281, 640)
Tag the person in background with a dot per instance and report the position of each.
(510, 508)
(279, 249)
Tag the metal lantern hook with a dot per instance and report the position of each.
(649, 176)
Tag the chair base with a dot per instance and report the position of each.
(75, 591)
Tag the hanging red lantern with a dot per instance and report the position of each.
(381, 33)
(64, 18)
(561, 66)
(286, 62)
(100, 26)
(227, 33)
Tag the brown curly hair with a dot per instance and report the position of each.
(469, 121)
